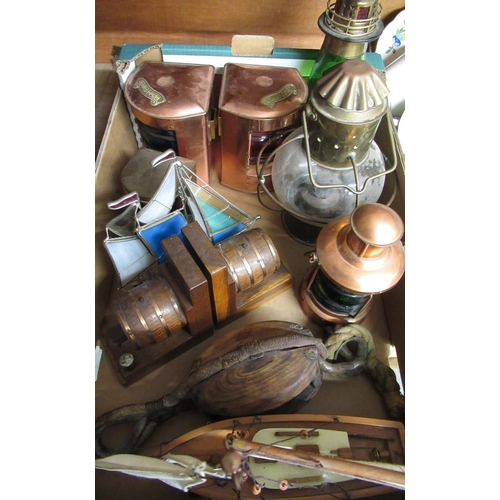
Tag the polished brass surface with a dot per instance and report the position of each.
(344, 48)
(353, 17)
(346, 107)
(358, 265)
(286, 91)
(353, 91)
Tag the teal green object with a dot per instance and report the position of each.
(303, 58)
(221, 225)
(327, 60)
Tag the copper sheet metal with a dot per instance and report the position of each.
(363, 253)
(255, 99)
(176, 97)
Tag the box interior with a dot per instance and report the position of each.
(355, 396)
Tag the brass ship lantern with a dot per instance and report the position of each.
(332, 164)
(356, 257)
(349, 26)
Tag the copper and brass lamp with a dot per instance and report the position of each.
(356, 257)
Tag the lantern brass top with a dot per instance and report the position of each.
(351, 88)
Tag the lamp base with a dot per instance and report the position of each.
(319, 313)
(300, 230)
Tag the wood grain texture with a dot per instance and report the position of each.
(215, 269)
(292, 23)
(382, 436)
(193, 284)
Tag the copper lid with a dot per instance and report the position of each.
(261, 92)
(363, 253)
(159, 91)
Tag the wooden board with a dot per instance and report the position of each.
(384, 437)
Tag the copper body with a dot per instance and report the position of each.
(251, 256)
(150, 313)
(362, 254)
(176, 97)
(256, 102)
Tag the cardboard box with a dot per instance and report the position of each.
(356, 396)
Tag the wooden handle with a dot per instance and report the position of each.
(375, 473)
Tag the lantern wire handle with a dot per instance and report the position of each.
(356, 191)
(261, 179)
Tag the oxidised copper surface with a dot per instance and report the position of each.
(176, 97)
(258, 93)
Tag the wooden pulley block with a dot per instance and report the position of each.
(257, 368)
(263, 367)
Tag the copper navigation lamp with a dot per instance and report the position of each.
(332, 164)
(356, 257)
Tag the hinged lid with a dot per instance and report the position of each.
(261, 92)
(164, 91)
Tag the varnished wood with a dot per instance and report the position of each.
(214, 267)
(315, 461)
(254, 369)
(207, 443)
(191, 290)
(291, 24)
(257, 385)
(193, 283)
(150, 313)
(233, 303)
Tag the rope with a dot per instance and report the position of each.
(382, 375)
(144, 416)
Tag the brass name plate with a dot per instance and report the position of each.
(285, 91)
(155, 97)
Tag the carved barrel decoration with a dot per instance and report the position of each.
(250, 256)
(149, 313)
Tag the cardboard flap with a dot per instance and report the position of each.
(252, 45)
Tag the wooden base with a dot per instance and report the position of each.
(147, 359)
(191, 289)
(199, 278)
(227, 303)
